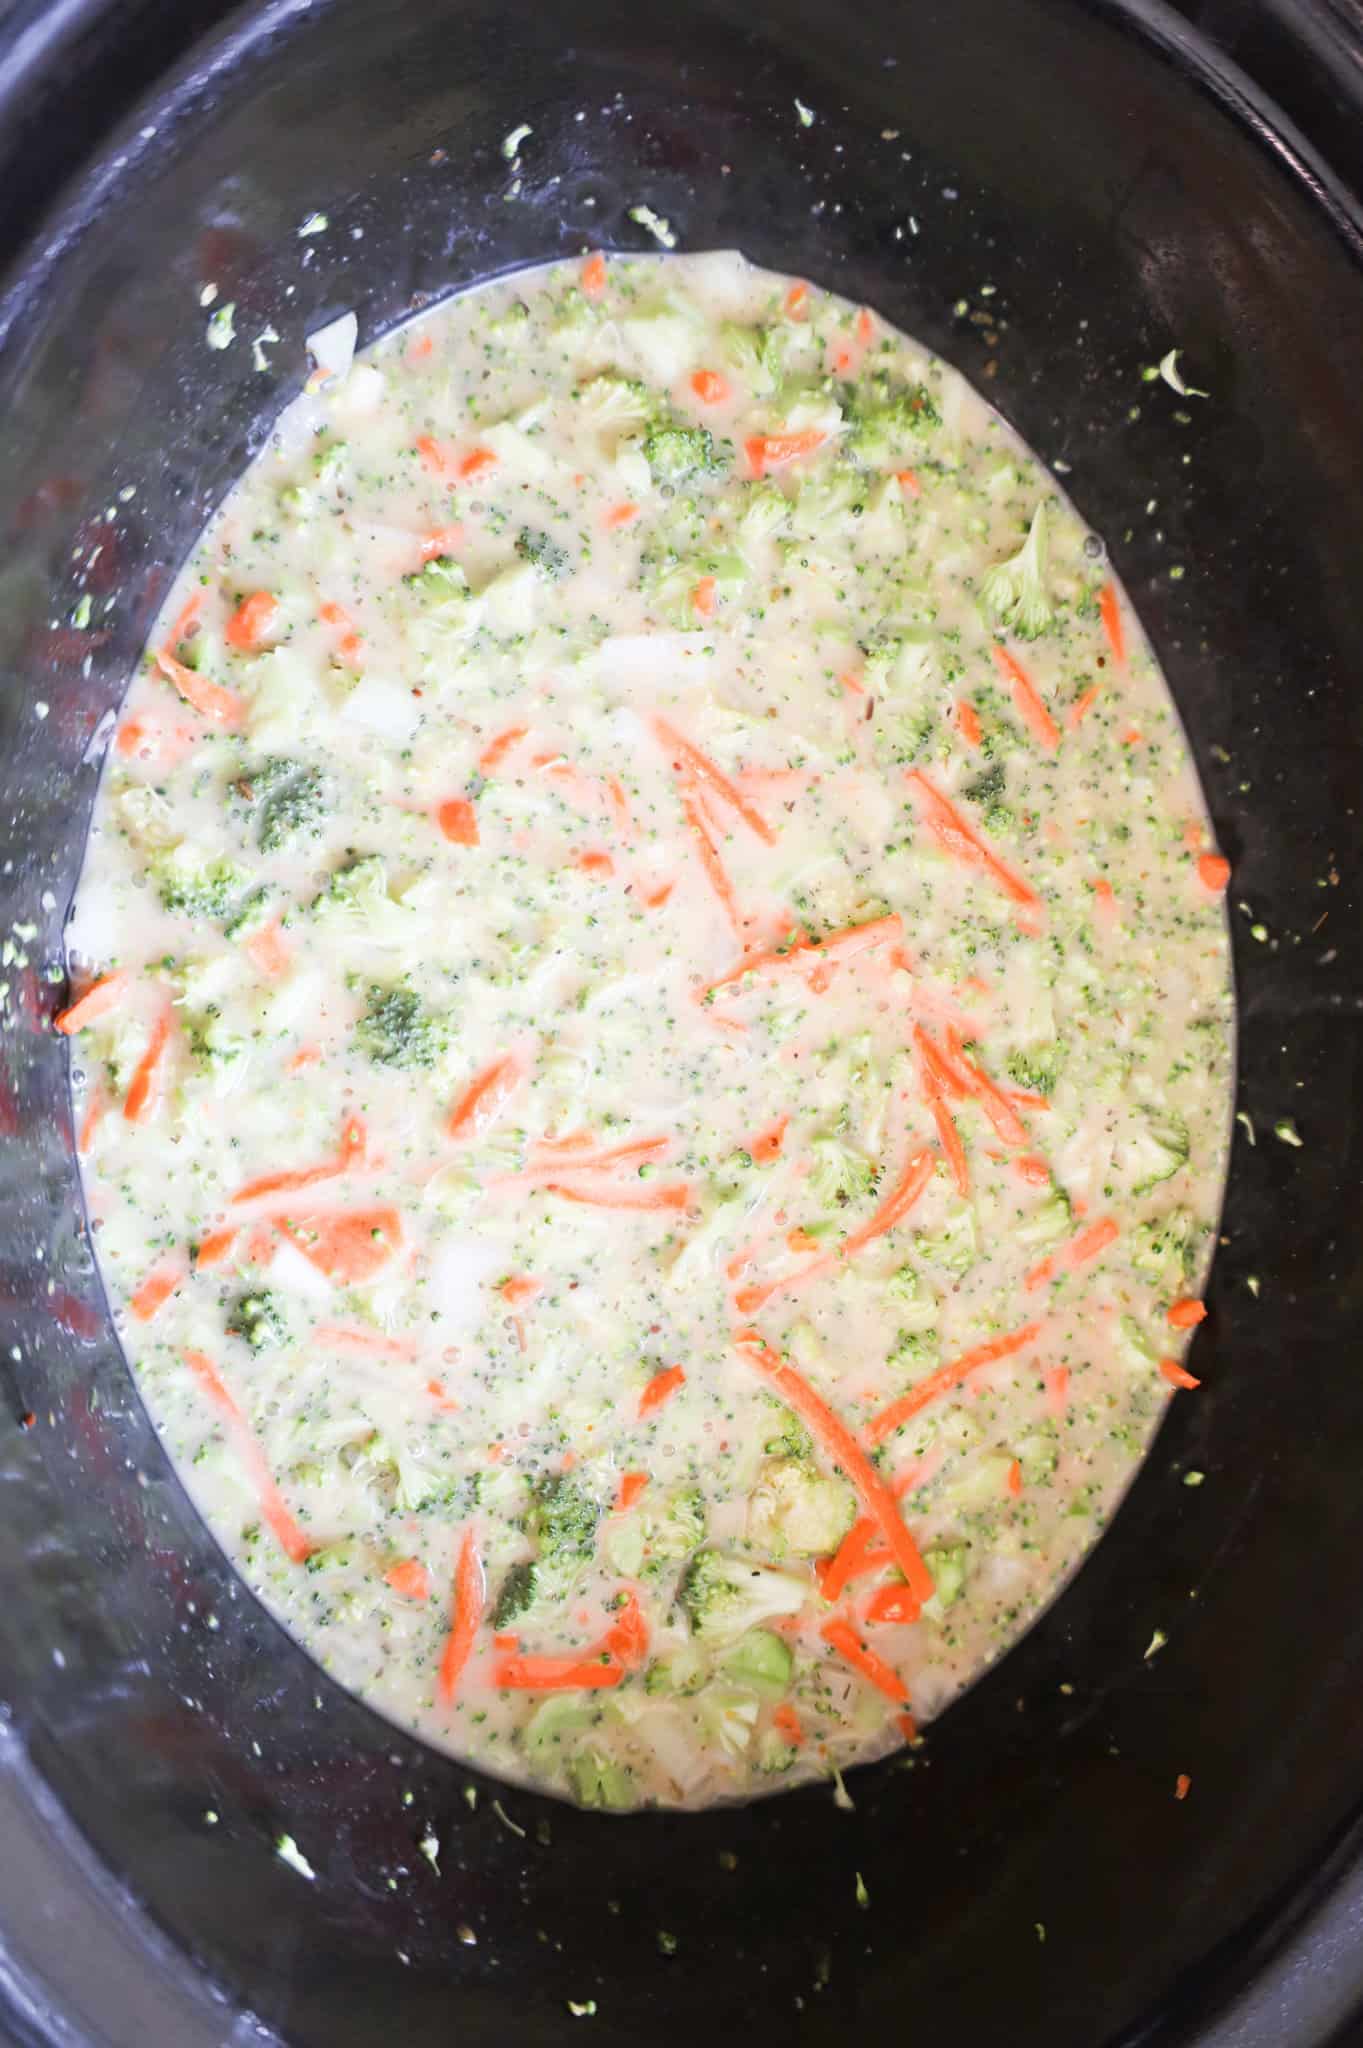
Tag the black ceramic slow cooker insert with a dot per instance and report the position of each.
(1052, 194)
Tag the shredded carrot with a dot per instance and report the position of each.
(1110, 606)
(96, 1109)
(157, 1289)
(410, 1578)
(476, 461)
(945, 1378)
(557, 1674)
(268, 952)
(592, 276)
(518, 1289)
(990, 1097)
(896, 1205)
(619, 515)
(291, 1539)
(675, 1195)
(431, 453)
(796, 302)
(1213, 871)
(952, 1147)
(486, 1096)
(841, 1636)
(344, 1337)
(143, 1089)
(185, 618)
(715, 872)
(710, 388)
(252, 622)
(1187, 1313)
(766, 452)
(102, 996)
(956, 836)
(211, 700)
(1033, 1169)
(1081, 708)
(893, 1604)
(214, 1248)
(709, 776)
(1094, 1238)
(866, 328)
(1105, 898)
(349, 1246)
(291, 1179)
(627, 1636)
(660, 1388)
(968, 722)
(766, 1146)
(786, 1722)
(469, 1593)
(805, 954)
(908, 481)
(841, 1448)
(632, 1485)
(1027, 700)
(851, 1558)
(1057, 1379)
(573, 1154)
(1014, 1480)
(458, 821)
(593, 862)
(496, 750)
(1183, 1785)
(799, 1240)
(703, 602)
(1177, 1375)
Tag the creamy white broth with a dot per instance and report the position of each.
(670, 1003)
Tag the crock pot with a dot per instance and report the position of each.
(1054, 194)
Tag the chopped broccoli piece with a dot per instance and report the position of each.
(684, 1671)
(329, 461)
(795, 1508)
(1134, 1343)
(353, 891)
(617, 402)
(838, 1174)
(774, 1753)
(1162, 1250)
(519, 1590)
(885, 418)
(955, 1245)
(915, 1352)
(1157, 1151)
(397, 1029)
(597, 1780)
(948, 1568)
(680, 1528)
(561, 1714)
(562, 1522)
(792, 1440)
(730, 1714)
(287, 798)
(438, 581)
(723, 1597)
(766, 509)
(195, 884)
(757, 354)
(253, 916)
(1048, 1222)
(761, 1660)
(260, 1320)
(212, 1046)
(986, 787)
(1015, 590)
(547, 556)
(916, 1304)
(676, 453)
(1037, 1067)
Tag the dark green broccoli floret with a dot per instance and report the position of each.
(676, 453)
(286, 798)
(547, 556)
(562, 1522)
(260, 1320)
(397, 1029)
(986, 787)
(519, 1591)
(1038, 1067)
(884, 415)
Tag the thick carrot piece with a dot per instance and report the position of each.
(1187, 1313)
(795, 305)
(991, 1098)
(592, 276)
(476, 462)
(275, 1514)
(1178, 1375)
(619, 515)
(497, 749)
(458, 821)
(268, 952)
(841, 1636)
(469, 1594)
(156, 1289)
(632, 1486)
(102, 996)
(786, 1722)
(660, 1388)
(703, 599)
(143, 1089)
(486, 1096)
(1027, 700)
(710, 387)
(1213, 871)
(627, 1637)
(710, 776)
(944, 1379)
(893, 1604)
(1109, 604)
(214, 1248)
(968, 722)
(851, 1558)
(841, 1448)
(211, 700)
(675, 1195)
(956, 836)
(349, 1246)
(186, 617)
(410, 1578)
(252, 622)
(896, 1205)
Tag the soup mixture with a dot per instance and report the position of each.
(654, 1072)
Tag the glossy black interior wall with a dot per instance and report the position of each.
(1053, 196)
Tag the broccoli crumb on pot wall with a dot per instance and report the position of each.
(657, 1093)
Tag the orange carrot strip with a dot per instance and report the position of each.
(952, 1147)
(496, 750)
(592, 276)
(211, 700)
(1014, 1479)
(252, 622)
(908, 481)
(1177, 1375)
(1027, 700)
(214, 1248)
(306, 1056)
(291, 1179)
(410, 1578)
(476, 461)
(592, 861)
(893, 1604)
(185, 618)
(458, 821)
(632, 1485)
(627, 1636)
(660, 1388)
(557, 1674)
(432, 545)
(915, 1177)
(676, 1195)
(715, 871)
(268, 952)
(1110, 607)
(486, 1096)
(703, 602)
(276, 1515)
(1057, 1378)
(766, 452)
(796, 301)
(343, 1337)
(710, 387)
(432, 454)
(712, 777)
(956, 836)
(1187, 1313)
(157, 1289)
(101, 997)
(841, 1636)
(619, 515)
(1096, 1237)
(1033, 1169)
(1105, 897)
(1213, 871)
(766, 1146)
(1081, 708)
(333, 614)
(348, 1246)
(841, 1448)
(786, 1722)
(866, 328)
(806, 953)
(469, 1593)
(518, 1289)
(991, 1098)
(567, 1156)
(945, 1378)
(96, 1109)
(850, 1559)
(142, 1092)
(968, 722)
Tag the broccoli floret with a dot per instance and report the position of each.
(562, 1714)
(955, 1245)
(730, 1715)
(1015, 590)
(1048, 1222)
(353, 891)
(885, 417)
(838, 1174)
(195, 885)
(547, 556)
(680, 1528)
(917, 1305)
(519, 1591)
(723, 1597)
(438, 582)
(562, 1522)
(915, 1352)
(212, 1046)
(766, 509)
(597, 1780)
(676, 453)
(795, 1509)
(792, 1439)
(774, 1753)
(1134, 1344)
(1162, 1250)
(757, 353)
(260, 1320)
(1157, 1151)
(986, 787)
(397, 1029)
(948, 1568)
(1036, 1067)
(287, 798)
(761, 1660)
(253, 916)
(684, 1671)
(329, 461)
(617, 402)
